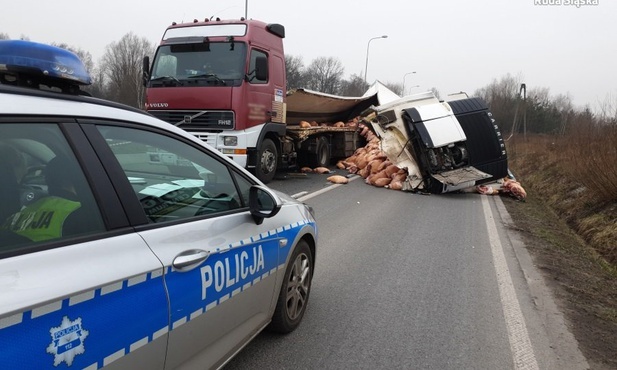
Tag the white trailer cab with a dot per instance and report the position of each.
(445, 146)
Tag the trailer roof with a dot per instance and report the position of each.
(309, 105)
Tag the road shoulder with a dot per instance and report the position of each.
(573, 293)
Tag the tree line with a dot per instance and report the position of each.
(535, 111)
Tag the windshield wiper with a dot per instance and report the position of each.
(167, 78)
(207, 75)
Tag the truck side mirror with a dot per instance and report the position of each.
(146, 70)
(261, 68)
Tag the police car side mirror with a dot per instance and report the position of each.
(263, 203)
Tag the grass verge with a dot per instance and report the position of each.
(572, 237)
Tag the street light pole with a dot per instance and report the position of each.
(367, 48)
(408, 73)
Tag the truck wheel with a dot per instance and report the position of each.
(315, 153)
(295, 290)
(322, 152)
(266, 161)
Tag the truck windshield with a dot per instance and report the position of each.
(199, 64)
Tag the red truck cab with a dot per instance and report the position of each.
(224, 82)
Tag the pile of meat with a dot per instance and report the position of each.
(369, 162)
(350, 123)
(372, 164)
(506, 186)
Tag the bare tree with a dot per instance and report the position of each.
(436, 92)
(563, 105)
(501, 91)
(396, 88)
(354, 86)
(503, 98)
(121, 66)
(5, 36)
(324, 74)
(294, 67)
(98, 87)
(607, 109)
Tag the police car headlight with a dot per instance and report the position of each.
(230, 140)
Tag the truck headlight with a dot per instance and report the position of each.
(230, 140)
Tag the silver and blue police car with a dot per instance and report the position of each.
(126, 242)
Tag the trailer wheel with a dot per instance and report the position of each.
(267, 161)
(322, 152)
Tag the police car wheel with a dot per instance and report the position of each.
(295, 290)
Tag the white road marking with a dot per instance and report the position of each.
(298, 195)
(520, 344)
(319, 192)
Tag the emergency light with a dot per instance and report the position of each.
(28, 63)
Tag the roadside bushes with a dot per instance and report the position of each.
(576, 175)
(593, 152)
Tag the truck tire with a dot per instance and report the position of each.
(315, 153)
(267, 161)
(322, 153)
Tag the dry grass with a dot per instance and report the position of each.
(593, 152)
(570, 227)
(576, 175)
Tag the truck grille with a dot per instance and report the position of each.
(195, 120)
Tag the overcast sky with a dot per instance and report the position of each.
(452, 45)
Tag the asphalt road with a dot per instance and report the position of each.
(409, 281)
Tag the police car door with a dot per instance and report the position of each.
(219, 264)
(74, 292)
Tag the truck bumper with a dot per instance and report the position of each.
(240, 159)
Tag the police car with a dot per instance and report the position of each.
(126, 242)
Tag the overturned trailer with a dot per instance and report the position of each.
(444, 145)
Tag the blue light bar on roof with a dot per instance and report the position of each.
(49, 61)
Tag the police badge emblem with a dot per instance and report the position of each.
(67, 341)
